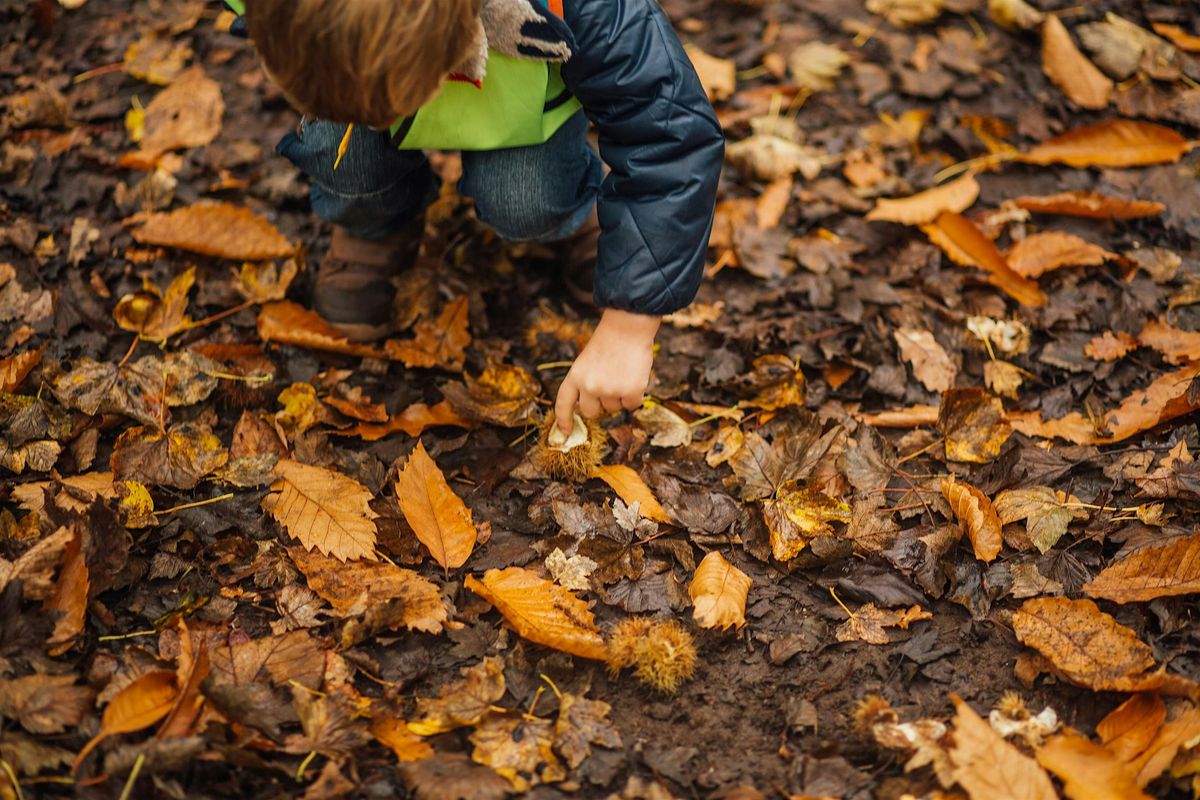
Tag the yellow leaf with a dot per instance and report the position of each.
(437, 515)
(502, 395)
(956, 196)
(541, 611)
(396, 736)
(324, 509)
(630, 487)
(976, 515)
(463, 702)
(718, 591)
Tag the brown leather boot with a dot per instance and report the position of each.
(355, 286)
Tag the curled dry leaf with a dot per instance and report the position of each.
(156, 314)
(139, 705)
(437, 515)
(1116, 143)
(630, 487)
(977, 517)
(266, 281)
(1050, 250)
(718, 591)
(289, 323)
(70, 597)
(1070, 70)
(931, 365)
(974, 425)
(990, 768)
(1088, 771)
(324, 509)
(965, 244)
(214, 229)
(1164, 569)
(1090, 204)
(541, 611)
(15, 369)
(956, 196)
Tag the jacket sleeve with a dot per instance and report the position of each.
(663, 145)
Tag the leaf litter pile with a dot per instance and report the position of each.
(911, 510)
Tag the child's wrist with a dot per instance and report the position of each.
(630, 323)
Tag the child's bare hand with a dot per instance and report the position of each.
(612, 371)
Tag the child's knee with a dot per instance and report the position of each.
(365, 168)
(519, 204)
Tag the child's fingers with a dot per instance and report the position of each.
(589, 406)
(632, 401)
(611, 404)
(564, 406)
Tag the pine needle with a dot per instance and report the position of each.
(343, 145)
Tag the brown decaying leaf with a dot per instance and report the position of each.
(930, 363)
(1088, 770)
(1130, 727)
(630, 487)
(503, 394)
(324, 509)
(1164, 569)
(437, 515)
(1115, 143)
(15, 369)
(990, 768)
(1110, 346)
(156, 314)
(35, 568)
(868, 623)
(1176, 345)
(438, 343)
(463, 702)
(1166, 398)
(1070, 70)
(70, 597)
(974, 425)
(1089, 204)
(289, 323)
(139, 705)
(977, 517)
(519, 747)
(1043, 252)
(414, 420)
(541, 611)
(45, 704)
(1088, 646)
(718, 76)
(356, 586)
(214, 229)
(925, 207)
(718, 591)
(289, 658)
(179, 457)
(965, 244)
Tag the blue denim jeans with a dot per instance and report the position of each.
(541, 193)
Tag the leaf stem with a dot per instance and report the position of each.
(304, 765)
(12, 776)
(197, 504)
(133, 776)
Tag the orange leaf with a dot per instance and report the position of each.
(185, 114)
(289, 323)
(1163, 569)
(976, 515)
(1090, 204)
(541, 611)
(15, 369)
(139, 705)
(1177, 346)
(324, 509)
(70, 597)
(395, 735)
(1130, 727)
(1043, 252)
(990, 768)
(1163, 400)
(718, 591)
(1070, 70)
(1178, 36)
(438, 343)
(214, 229)
(437, 515)
(1116, 143)
(1087, 770)
(630, 487)
(1171, 738)
(1110, 346)
(911, 417)
(414, 420)
(956, 197)
(966, 244)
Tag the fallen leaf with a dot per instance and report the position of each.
(179, 457)
(1178, 36)
(503, 395)
(931, 365)
(1090, 204)
(976, 516)
(185, 114)
(772, 204)
(666, 428)
(903, 13)
(1172, 737)
(15, 369)
(462, 703)
(541, 611)
(1014, 14)
(395, 735)
(570, 573)
(990, 768)
(1070, 70)
(965, 244)
(630, 487)
(815, 66)
(718, 591)
(324, 509)
(1088, 771)
(974, 425)
(777, 382)
(1177, 346)
(1110, 346)
(806, 514)
(214, 229)
(919, 209)
(156, 314)
(1162, 569)
(438, 343)
(437, 515)
(1088, 646)
(1046, 517)
(1004, 379)
(1116, 143)
(156, 59)
(447, 775)
(414, 420)
(266, 281)
(45, 704)
(1130, 727)
(770, 157)
(519, 748)
(290, 658)
(582, 723)
(70, 597)
(289, 323)
(139, 705)
(718, 76)
(1040, 253)
(867, 623)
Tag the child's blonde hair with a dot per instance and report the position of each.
(365, 61)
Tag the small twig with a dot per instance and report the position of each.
(554, 365)
(132, 347)
(529, 715)
(849, 613)
(133, 776)
(197, 504)
(553, 688)
(220, 315)
(922, 451)
(97, 72)
(12, 776)
(304, 765)
(135, 634)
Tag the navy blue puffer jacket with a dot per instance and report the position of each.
(661, 140)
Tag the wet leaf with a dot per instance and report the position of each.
(974, 425)
(464, 702)
(925, 207)
(1040, 253)
(215, 229)
(1090, 204)
(1116, 143)
(976, 516)
(965, 244)
(1070, 69)
(323, 509)
(139, 705)
(1046, 517)
(718, 591)
(1163, 569)
(438, 343)
(541, 611)
(990, 768)
(437, 515)
(930, 363)
(180, 457)
(630, 487)
(502, 395)
(867, 623)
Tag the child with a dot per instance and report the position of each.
(512, 84)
